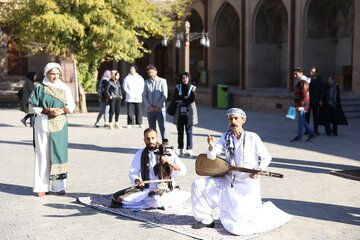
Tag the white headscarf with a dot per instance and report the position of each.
(50, 66)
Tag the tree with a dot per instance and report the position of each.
(94, 30)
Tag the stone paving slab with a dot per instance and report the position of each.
(324, 206)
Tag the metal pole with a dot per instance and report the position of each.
(187, 47)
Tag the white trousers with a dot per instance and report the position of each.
(240, 213)
(141, 200)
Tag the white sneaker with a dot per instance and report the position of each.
(180, 151)
(141, 126)
(189, 152)
(127, 126)
(111, 126)
(116, 125)
(97, 125)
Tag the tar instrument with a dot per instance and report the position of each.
(219, 167)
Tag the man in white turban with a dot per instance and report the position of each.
(51, 101)
(236, 194)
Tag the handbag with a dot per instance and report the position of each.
(171, 109)
(291, 113)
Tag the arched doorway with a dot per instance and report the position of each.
(270, 47)
(226, 47)
(197, 61)
(328, 39)
(161, 61)
(141, 63)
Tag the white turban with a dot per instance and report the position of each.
(237, 111)
(50, 66)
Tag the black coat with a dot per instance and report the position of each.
(316, 88)
(331, 112)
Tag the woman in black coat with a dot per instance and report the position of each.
(331, 112)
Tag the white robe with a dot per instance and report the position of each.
(241, 210)
(141, 199)
(42, 183)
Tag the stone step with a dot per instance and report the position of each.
(351, 105)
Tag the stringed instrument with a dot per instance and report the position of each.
(219, 167)
(163, 170)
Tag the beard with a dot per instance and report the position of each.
(151, 147)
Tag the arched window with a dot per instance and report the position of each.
(330, 19)
(271, 23)
(227, 29)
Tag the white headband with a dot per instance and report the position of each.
(50, 66)
(237, 111)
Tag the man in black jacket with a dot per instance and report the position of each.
(316, 91)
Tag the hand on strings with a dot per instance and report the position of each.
(164, 159)
(211, 142)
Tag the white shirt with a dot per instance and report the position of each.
(135, 168)
(134, 87)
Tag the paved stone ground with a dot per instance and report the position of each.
(324, 206)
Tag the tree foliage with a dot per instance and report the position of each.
(94, 30)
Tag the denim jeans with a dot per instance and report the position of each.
(303, 124)
(188, 130)
(104, 110)
(160, 117)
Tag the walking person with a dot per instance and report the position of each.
(133, 86)
(51, 101)
(114, 94)
(301, 101)
(316, 87)
(24, 102)
(155, 95)
(103, 100)
(236, 194)
(331, 112)
(186, 113)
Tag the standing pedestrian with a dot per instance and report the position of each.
(134, 87)
(51, 101)
(155, 95)
(315, 90)
(103, 100)
(331, 112)
(302, 100)
(186, 113)
(114, 94)
(24, 102)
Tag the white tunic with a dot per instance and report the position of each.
(168, 199)
(237, 195)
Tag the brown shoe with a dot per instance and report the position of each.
(41, 194)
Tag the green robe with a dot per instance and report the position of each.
(50, 97)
